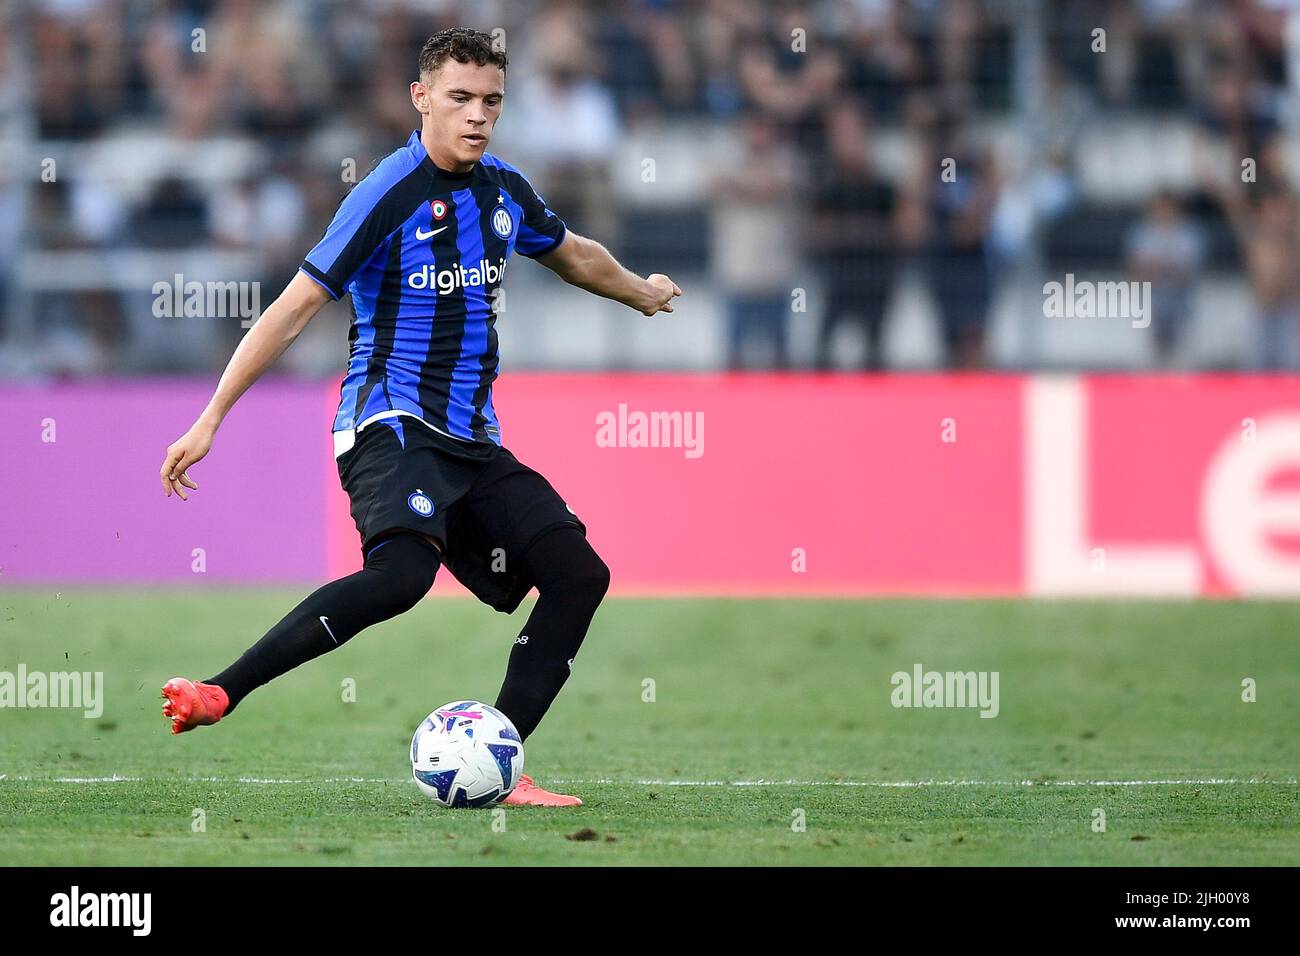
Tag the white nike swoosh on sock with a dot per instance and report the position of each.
(327, 629)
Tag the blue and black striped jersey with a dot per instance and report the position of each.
(422, 252)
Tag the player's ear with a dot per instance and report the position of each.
(420, 96)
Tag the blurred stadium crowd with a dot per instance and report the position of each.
(782, 160)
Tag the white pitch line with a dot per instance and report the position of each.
(120, 778)
(882, 784)
(897, 784)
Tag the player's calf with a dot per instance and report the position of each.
(571, 582)
(398, 572)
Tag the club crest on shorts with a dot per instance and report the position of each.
(503, 224)
(420, 503)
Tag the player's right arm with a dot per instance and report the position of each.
(377, 206)
(265, 342)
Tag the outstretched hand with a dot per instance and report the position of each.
(190, 448)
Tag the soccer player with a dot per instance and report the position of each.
(421, 246)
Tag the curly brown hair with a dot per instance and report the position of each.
(462, 45)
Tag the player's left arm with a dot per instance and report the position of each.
(589, 265)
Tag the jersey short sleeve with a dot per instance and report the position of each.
(374, 209)
(540, 230)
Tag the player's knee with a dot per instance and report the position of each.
(563, 561)
(589, 579)
(405, 566)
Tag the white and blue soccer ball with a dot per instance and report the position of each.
(467, 754)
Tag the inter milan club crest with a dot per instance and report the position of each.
(503, 224)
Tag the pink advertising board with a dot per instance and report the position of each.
(714, 484)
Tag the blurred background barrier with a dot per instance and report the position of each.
(854, 183)
(1027, 186)
(720, 484)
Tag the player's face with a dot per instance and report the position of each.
(460, 103)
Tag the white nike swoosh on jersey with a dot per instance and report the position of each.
(421, 234)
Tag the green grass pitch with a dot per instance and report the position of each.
(764, 712)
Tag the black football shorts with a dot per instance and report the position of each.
(485, 511)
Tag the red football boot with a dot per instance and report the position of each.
(528, 794)
(192, 703)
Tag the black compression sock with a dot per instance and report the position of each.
(398, 572)
(571, 580)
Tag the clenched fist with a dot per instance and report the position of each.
(662, 291)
